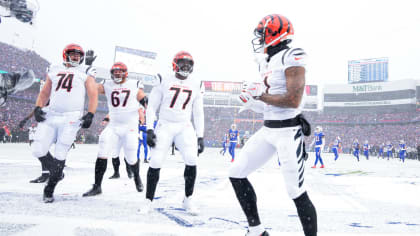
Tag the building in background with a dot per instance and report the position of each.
(368, 70)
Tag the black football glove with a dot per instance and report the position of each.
(39, 114)
(151, 138)
(22, 123)
(200, 143)
(87, 120)
(89, 57)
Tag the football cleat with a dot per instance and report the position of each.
(189, 206)
(41, 179)
(139, 184)
(265, 233)
(96, 190)
(116, 175)
(147, 207)
(48, 195)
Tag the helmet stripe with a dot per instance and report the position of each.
(281, 24)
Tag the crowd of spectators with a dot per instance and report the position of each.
(14, 59)
(218, 120)
(376, 128)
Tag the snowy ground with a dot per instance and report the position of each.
(375, 197)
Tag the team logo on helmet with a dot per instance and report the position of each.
(272, 30)
(119, 72)
(68, 52)
(183, 63)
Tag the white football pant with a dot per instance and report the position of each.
(117, 136)
(59, 128)
(184, 137)
(287, 143)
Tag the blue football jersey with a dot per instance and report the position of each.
(318, 138)
(233, 135)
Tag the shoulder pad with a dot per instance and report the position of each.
(91, 71)
(294, 57)
(140, 84)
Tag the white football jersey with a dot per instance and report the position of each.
(178, 100)
(68, 87)
(32, 130)
(274, 81)
(122, 100)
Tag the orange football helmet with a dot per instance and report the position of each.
(183, 63)
(121, 67)
(73, 48)
(272, 30)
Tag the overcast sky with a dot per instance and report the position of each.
(218, 33)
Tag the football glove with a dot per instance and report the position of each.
(22, 123)
(90, 58)
(151, 138)
(87, 120)
(254, 89)
(200, 143)
(39, 114)
(248, 102)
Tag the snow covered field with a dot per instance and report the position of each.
(375, 197)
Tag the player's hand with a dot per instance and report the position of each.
(254, 89)
(151, 138)
(39, 114)
(87, 120)
(22, 123)
(90, 58)
(200, 143)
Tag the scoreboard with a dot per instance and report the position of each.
(137, 61)
(368, 70)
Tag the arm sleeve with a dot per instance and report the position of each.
(198, 115)
(155, 98)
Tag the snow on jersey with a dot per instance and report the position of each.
(122, 100)
(274, 81)
(68, 87)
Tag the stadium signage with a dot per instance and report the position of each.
(366, 88)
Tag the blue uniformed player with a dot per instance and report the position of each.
(388, 149)
(366, 148)
(402, 151)
(336, 146)
(224, 142)
(381, 151)
(143, 141)
(356, 148)
(233, 140)
(319, 145)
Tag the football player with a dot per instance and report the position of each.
(233, 141)
(178, 95)
(319, 141)
(356, 148)
(403, 150)
(66, 86)
(366, 148)
(123, 97)
(279, 97)
(336, 147)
